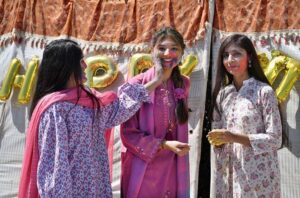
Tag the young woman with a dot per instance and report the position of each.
(155, 163)
(246, 125)
(65, 154)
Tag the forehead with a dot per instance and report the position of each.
(234, 48)
(167, 40)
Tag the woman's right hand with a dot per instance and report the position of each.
(161, 73)
(177, 147)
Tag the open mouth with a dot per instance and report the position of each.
(169, 62)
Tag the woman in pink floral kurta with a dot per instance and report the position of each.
(246, 126)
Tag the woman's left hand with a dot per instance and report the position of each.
(218, 137)
(177, 147)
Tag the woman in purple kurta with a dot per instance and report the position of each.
(65, 153)
(155, 163)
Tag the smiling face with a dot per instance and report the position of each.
(168, 51)
(235, 60)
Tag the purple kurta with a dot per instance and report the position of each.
(73, 157)
(148, 171)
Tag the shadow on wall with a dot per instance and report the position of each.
(291, 133)
(2, 119)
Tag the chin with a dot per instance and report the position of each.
(169, 65)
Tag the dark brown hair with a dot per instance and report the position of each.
(223, 77)
(181, 106)
(61, 59)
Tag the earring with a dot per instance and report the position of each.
(249, 63)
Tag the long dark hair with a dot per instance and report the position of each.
(61, 59)
(223, 77)
(181, 110)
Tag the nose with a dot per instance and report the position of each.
(230, 58)
(167, 52)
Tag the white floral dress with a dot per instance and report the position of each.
(241, 171)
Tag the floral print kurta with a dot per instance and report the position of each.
(73, 157)
(241, 171)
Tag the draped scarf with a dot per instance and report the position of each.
(28, 181)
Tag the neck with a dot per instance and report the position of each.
(238, 81)
(71, 83)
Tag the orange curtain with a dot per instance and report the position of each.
(109, 21)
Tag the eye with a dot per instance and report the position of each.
(225, 55)
(175, 49)
(162, 49)
(236, 54)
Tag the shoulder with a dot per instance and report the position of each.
(263, 87)
(59, 108)
(186, 81)
(266, 93)
(106, 97)
(226, 90)
(144, 77)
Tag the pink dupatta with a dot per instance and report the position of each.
(28, 182)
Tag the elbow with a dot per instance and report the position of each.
(276, 142)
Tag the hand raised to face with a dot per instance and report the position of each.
(168, 52)
(162, 73)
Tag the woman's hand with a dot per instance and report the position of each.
(161, 73)
(218, 137)
(177, 147)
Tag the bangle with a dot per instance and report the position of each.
(162, 144)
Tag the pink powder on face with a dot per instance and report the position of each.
(170, 64)
(173, 54)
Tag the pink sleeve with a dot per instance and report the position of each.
(140, 143)
(137, 79)
(187, 85)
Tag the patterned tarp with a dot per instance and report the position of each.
(100, 22)
(256, 15)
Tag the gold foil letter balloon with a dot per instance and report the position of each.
(289, 79)
(28, 81)
(8, 81)
(139, 63)
(24, 82)
(263, 60)
(188, 64)
(100, 71)
(281, 62)
(275, 66)
(275, 53)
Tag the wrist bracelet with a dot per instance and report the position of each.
(162, 144)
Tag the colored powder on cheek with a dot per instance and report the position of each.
(173, 55)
